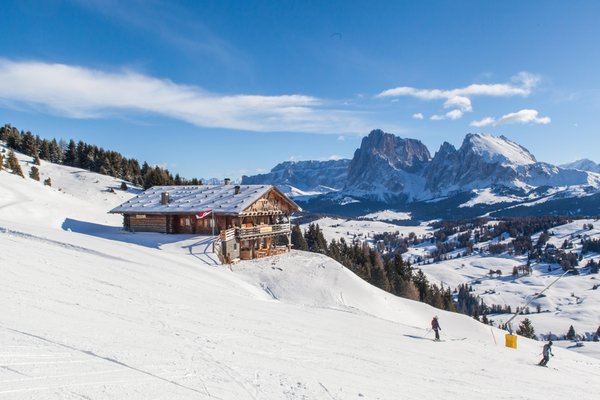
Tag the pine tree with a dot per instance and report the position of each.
(526, 329)
(47, 182)
(56, 153)
(298, 241)
(1, 162)
(34, 173)
(571, 335)
(36, 160)
(45, 150)
(13, 164)
(71, 154)
(315, 240)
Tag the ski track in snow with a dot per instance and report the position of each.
(124, 367)
(10, 232)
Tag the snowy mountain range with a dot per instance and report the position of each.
(486, 170)
(583, 165)
(305, 177)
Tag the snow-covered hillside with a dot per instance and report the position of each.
(573, 300)
(90, 312)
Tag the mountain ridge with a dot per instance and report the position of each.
(391, 170)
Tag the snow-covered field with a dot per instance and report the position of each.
(350, 229)
(89, 312)
(389, 215)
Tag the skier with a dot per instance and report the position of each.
(547, 352)
(435, 326)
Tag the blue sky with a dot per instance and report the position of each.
(225, 88)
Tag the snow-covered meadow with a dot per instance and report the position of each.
(91, 312)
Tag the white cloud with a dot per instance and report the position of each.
(341, 138)
(460, 102)
(454, 114)
(524, 82)
(525, 116)
(487, 121)
(334, 157)
(79, 92)
(459, 99)
(418, 116)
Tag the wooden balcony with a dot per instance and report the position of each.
(263, 230)
(257, 231)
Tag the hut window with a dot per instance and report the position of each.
(140, 216)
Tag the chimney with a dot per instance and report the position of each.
(226, 181)
(237, 189)
(164, 198)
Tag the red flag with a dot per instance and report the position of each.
(203, 214)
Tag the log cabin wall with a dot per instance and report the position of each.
(147, 223)
(222, 222)
(184, 223)
(203, 226)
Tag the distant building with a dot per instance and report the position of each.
(251, 221)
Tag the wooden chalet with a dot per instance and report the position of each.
(249, 221)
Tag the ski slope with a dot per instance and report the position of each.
(90, 312)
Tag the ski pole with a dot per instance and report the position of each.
(427, 333)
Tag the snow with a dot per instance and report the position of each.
(95, 313)
(350, 229)
(495, 149)
(486, 196)
(389, 215)
(570, 302)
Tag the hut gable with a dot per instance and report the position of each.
(272, 202)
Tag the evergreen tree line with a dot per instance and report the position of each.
(386, 271)
(90, 157)
(458, 234)
(590, 246)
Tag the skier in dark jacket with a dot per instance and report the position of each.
(435, 325)
(547, 352)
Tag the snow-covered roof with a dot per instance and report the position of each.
(193, 199)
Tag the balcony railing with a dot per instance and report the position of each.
(227, 234)
(263, 230)
(255, 231)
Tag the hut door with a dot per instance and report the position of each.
(176, 224)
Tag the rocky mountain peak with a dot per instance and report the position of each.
(383, 160)
(496, 149)
(406, 154)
